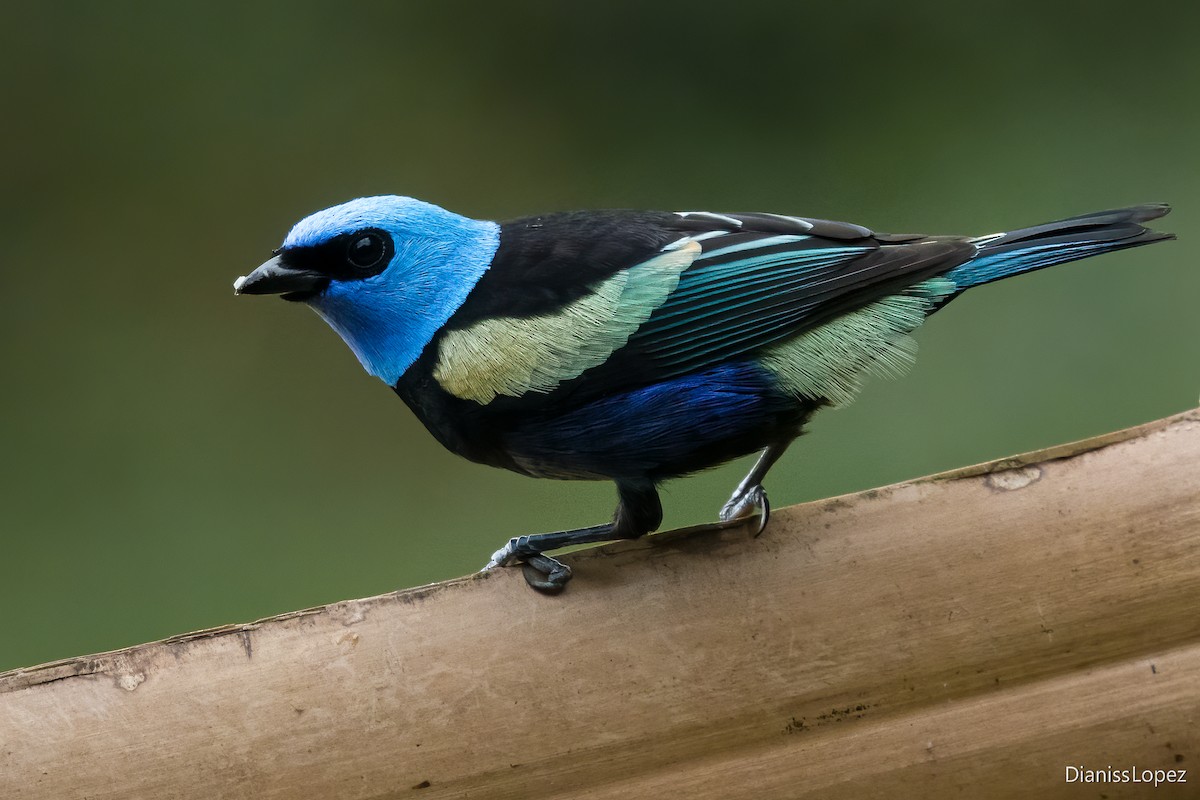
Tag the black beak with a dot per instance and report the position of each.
(273, 277)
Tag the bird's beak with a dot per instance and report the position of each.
(275, 278)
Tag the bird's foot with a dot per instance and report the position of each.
(745, 501)
(542, 572)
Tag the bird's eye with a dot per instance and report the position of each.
(368, 249)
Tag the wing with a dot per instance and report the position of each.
(594, 302)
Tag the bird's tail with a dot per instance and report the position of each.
(1004, 254)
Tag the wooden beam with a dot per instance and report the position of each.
(971, 634)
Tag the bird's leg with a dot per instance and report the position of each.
(750, 495)
(638, 513)
(543, 572)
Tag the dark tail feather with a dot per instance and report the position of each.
(1004, 254)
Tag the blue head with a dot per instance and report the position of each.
(385, 272)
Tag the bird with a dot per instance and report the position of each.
(638, 346)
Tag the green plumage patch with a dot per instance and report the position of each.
(832, 360)
(511, 356)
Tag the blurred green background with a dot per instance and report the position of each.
(176, 458)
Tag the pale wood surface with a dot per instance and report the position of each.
(966, 635)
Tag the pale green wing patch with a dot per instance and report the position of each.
(832, 360)
(511, 356)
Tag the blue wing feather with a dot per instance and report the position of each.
(733, 307)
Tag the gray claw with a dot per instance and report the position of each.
(546, 574)
(542, 572)
(744, 503)
(764, 514)
(504, 556)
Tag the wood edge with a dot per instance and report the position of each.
(99, 663)
(1063, 451)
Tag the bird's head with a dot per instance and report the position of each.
(385, 272)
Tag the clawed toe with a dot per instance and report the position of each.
(504, 556)
(764, 511)
(744, 503)
(547, 575)
(638, 513)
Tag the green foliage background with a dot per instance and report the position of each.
(174, 458)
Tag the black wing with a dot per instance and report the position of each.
(757, 279)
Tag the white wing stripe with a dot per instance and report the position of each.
(710, 215)
(756, 244)
(808, 226)
(710, 235)
(686, 240)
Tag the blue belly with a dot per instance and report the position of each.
(660, 431)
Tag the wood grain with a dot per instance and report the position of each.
(970, 635)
